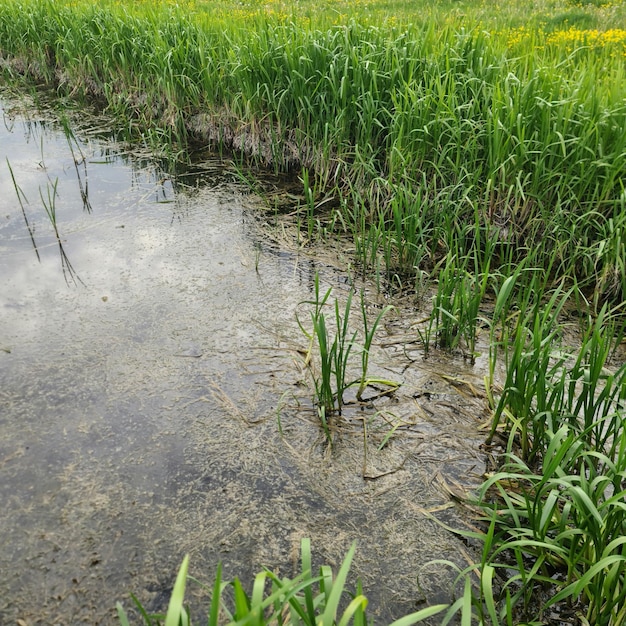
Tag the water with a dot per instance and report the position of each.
(147, 348)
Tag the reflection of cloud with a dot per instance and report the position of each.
(137, 248)
(93, 245)
(142, 260)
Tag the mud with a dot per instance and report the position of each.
(154, 401)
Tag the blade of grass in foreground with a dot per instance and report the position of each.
(336, 590)
(176, 613)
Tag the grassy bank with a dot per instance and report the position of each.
(479, 148)
(436, 140)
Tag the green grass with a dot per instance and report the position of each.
(547, 386)
(471, 151)
(433, 135)
(561, 531)
(306, 600)
(327, 357)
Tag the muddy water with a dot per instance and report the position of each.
(147, 347)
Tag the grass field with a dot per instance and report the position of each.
(479, 145)
(514, 127)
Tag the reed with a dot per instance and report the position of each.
(546, 388)
(455, 312)
(332, 350)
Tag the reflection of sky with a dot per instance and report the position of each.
(41, 159)
(97, 244)
(141, 252)
(92, 388)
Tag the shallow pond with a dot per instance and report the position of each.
(149, 351)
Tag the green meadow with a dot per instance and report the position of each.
(472, 154)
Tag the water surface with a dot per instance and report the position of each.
(148, 348)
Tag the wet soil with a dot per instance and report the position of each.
(154, 400)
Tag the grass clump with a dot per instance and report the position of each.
(327, 357)
(555, 508)
(546, 389)
(306, 600)
(556, 536)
